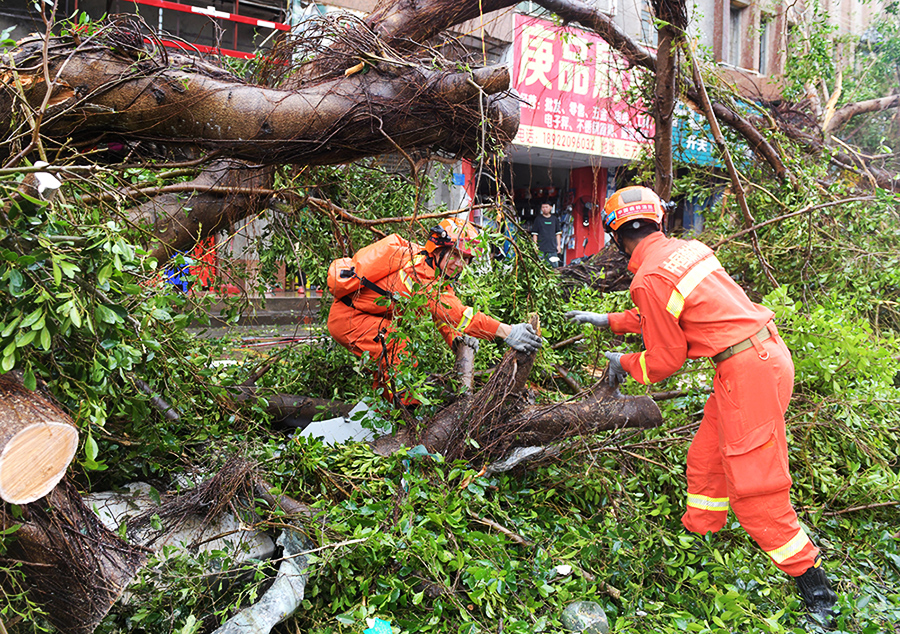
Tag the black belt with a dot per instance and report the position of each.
(730, 351)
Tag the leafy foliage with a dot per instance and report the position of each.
(434, 546)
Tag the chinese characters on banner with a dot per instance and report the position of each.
(573, 86)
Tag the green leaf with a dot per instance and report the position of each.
(32, 318)
(8, 363)
(104, 273)
(25, 338)
(10, 327)
(191, 625)
(29, 381)
(68, 268)
(91, 450)
(75, 316)
(105, 315)
(16, 282)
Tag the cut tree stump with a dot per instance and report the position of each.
(37, 443)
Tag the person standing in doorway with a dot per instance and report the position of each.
(546, 232)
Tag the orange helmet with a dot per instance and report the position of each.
(632, 203)
(453, 232)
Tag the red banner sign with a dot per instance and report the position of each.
(573, 89)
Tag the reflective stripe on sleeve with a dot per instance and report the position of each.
(689, 282)
(643, 361)
(405, 277)
(467, 316)
(706, 503)
(794, 546)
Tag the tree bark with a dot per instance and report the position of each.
(843, 114)
(98, 91)
(75, 567)
(498, 417)
(179, 221)
(663, 110)
(37, 443)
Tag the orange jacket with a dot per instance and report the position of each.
(687, 307)
(448, 312)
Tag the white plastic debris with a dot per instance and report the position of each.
(519, 455)
(224, 533)
(282, 598)
(343, 429)
(47, 184)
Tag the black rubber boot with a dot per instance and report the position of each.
(817, 593)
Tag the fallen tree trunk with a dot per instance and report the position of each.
(499, 417)
(74, 566)
(100, 88)
(37, 443)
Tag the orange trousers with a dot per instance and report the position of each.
(739, 456)
(361, 332)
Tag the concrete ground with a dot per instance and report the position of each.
(265, 320)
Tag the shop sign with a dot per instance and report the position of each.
(692, 139)
(573, 90)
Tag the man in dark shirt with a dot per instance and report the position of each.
(547, 234)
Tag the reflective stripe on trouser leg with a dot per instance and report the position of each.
(707, 498)
(772, 523)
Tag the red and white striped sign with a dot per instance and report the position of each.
(214, 13)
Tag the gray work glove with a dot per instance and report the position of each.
(523, 338)
(616, 373)
(466, 340)
(598, 320)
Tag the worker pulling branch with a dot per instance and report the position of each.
(362, 321)
(688, 307)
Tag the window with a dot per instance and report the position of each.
(734, 35)
(763, 45)
(648, 26)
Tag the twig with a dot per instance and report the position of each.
(513, 536)
(328, 206)
(666, 396)
(169, 412)
(805, 210)
(640, 457)
(564, 375)
(859, 160)
(853, 509)
(349, 542)
(168, 189)
(566, 342)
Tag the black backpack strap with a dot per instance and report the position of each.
(372, 286)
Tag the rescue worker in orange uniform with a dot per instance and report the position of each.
(364, 323)
(688, 307)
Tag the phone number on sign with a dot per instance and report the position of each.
(570, 141)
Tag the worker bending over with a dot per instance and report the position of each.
(688, 307)
(362, 322)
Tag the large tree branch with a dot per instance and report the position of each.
(843, 114)
(405, 22)
(363, 114)
(876, 176)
